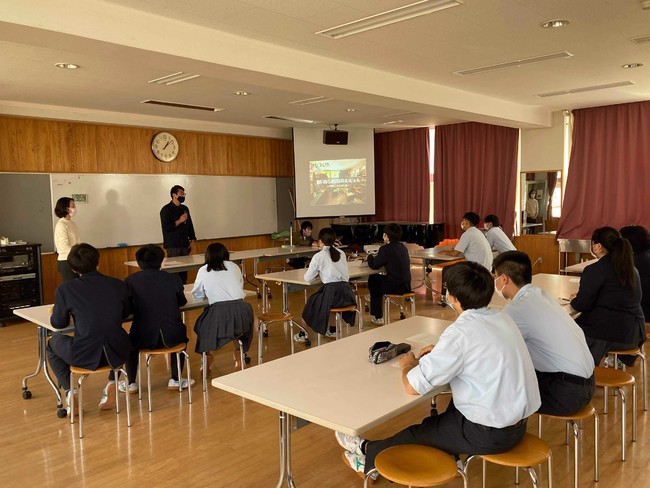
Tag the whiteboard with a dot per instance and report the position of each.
(126, 208)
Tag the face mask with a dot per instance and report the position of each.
(181, 199)
(462, 227)
(72, 211)
(497, 291)
(449, 304)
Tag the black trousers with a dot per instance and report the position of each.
(65, 270)
(59, 355)
(134, 358)
(453, 433)
(179, 251)
(378, 287)
(563, 393)
(599, 349)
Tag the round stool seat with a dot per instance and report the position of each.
(530, 451)
(350, 308)
(631, 352)
(415, 465)
(165, 350)
(275, 317)
(613, 378)
(403, 295)
(588, 411)
(101, 369)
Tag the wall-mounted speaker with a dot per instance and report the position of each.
(335, 137)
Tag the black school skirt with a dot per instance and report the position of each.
(331, 295)
(224, 322)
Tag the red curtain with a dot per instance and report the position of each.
(402, 176)
(475, 169)
(609, 170)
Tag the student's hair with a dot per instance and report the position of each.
(215, 255)
(620, 251)
(83, 258)
(470, 283)
(306, 225)
(531, 192)
(61, 207)
(492, 219)
(515, 265)
(328, 236)
(472, 218)
(638, 236)
(393, 231)
(150, 256)
(175, 189)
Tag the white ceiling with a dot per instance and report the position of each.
(269, 48)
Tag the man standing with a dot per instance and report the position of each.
(177, 227)
(557, 345)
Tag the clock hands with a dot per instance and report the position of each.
(165, 147)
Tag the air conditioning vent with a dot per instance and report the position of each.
(585, 89)
(513, 64)
(182, 105)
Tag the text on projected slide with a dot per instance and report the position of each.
(338, 182)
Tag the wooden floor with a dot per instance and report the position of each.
(224, 441)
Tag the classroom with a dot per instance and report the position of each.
(349, 114)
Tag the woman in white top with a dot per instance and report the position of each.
(497, 239)
(66, 235)
(228, 318)
(332, 268)
(532, 207)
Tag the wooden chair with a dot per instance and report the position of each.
(615, 378)
(639, 353)
(265, 320)
(178, 350)
(415, 465)
(397, 300)
(572, 420)
(529, 452)
(339, 319)
(83, 373)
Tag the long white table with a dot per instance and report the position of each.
(346, 392)
(40, 316)
(579, 267)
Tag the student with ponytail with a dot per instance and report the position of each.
(609, 297)
(330, 264)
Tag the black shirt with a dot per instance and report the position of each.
(173, 235)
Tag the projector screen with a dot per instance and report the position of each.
(334, 180)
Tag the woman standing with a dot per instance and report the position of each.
(609, 297)
(66, 235)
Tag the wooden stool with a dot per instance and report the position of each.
(83, 374)
(396, 300)
(178, 350)
(265, 320)
(616, 378)
(585, 413)
(634, 352)
(339, 319)
(204, 363)
(415, 465)
(529, 452)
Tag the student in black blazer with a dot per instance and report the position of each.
(609, 297)
(639, 238)
(155, 299)
(394, 258)
(98, 304)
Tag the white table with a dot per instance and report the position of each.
(40, 316)
(579, 267)
(430, 257)
(346, 392)
(296, 277)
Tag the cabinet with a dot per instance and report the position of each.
(20, 278)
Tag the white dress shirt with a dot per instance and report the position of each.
(555, 342)
(329, 271)
(475, 247)
(219, 286)
(66, 235)
(484, 359)
(498, 240)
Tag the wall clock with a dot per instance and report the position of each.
(164, 147)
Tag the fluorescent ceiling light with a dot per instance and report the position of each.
(310, 101)
(290, 119)
(555, 23)
(514, 64)
(66, 65)
(585, 89)
(382, 19)
(165, 103)
(640, 40)
(174, 78)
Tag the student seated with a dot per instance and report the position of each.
(331, 266)
(394, 258)
(639, 239)
(497, 239)
(557, 346)
(229, 317)
(484, 359)
(98, 305)
(302, 238)
(155, 297)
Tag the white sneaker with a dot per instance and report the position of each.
(358, 463)
(133, 387)
(379, 321)
(172, 384)
(351, 443)
(330, 334)
(108, 397)
(70, 397)
(300, 338)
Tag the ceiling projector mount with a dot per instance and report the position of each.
(335, 136)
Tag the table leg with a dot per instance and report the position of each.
(285, 297)
(42, 364)
(285, 452)
(265, 296)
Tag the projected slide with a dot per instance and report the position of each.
(338, 182)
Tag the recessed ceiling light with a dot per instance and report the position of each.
(552, 24)
(242, 93)
(350, 109)
(632, 65)
(393, 122)
(67, 65)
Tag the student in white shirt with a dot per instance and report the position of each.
(563, 363)
(497, 239)
(228, 317)
(66, 235)
(481, 356)
(331, 266)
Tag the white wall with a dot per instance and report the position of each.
(543, 149)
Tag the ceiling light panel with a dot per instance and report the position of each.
(172, 79)
(585, 89)
(182, 105)
(641, 39)
(514, 64)
(311, 101)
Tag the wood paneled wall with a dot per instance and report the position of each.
(542, 246)
(49, 146)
